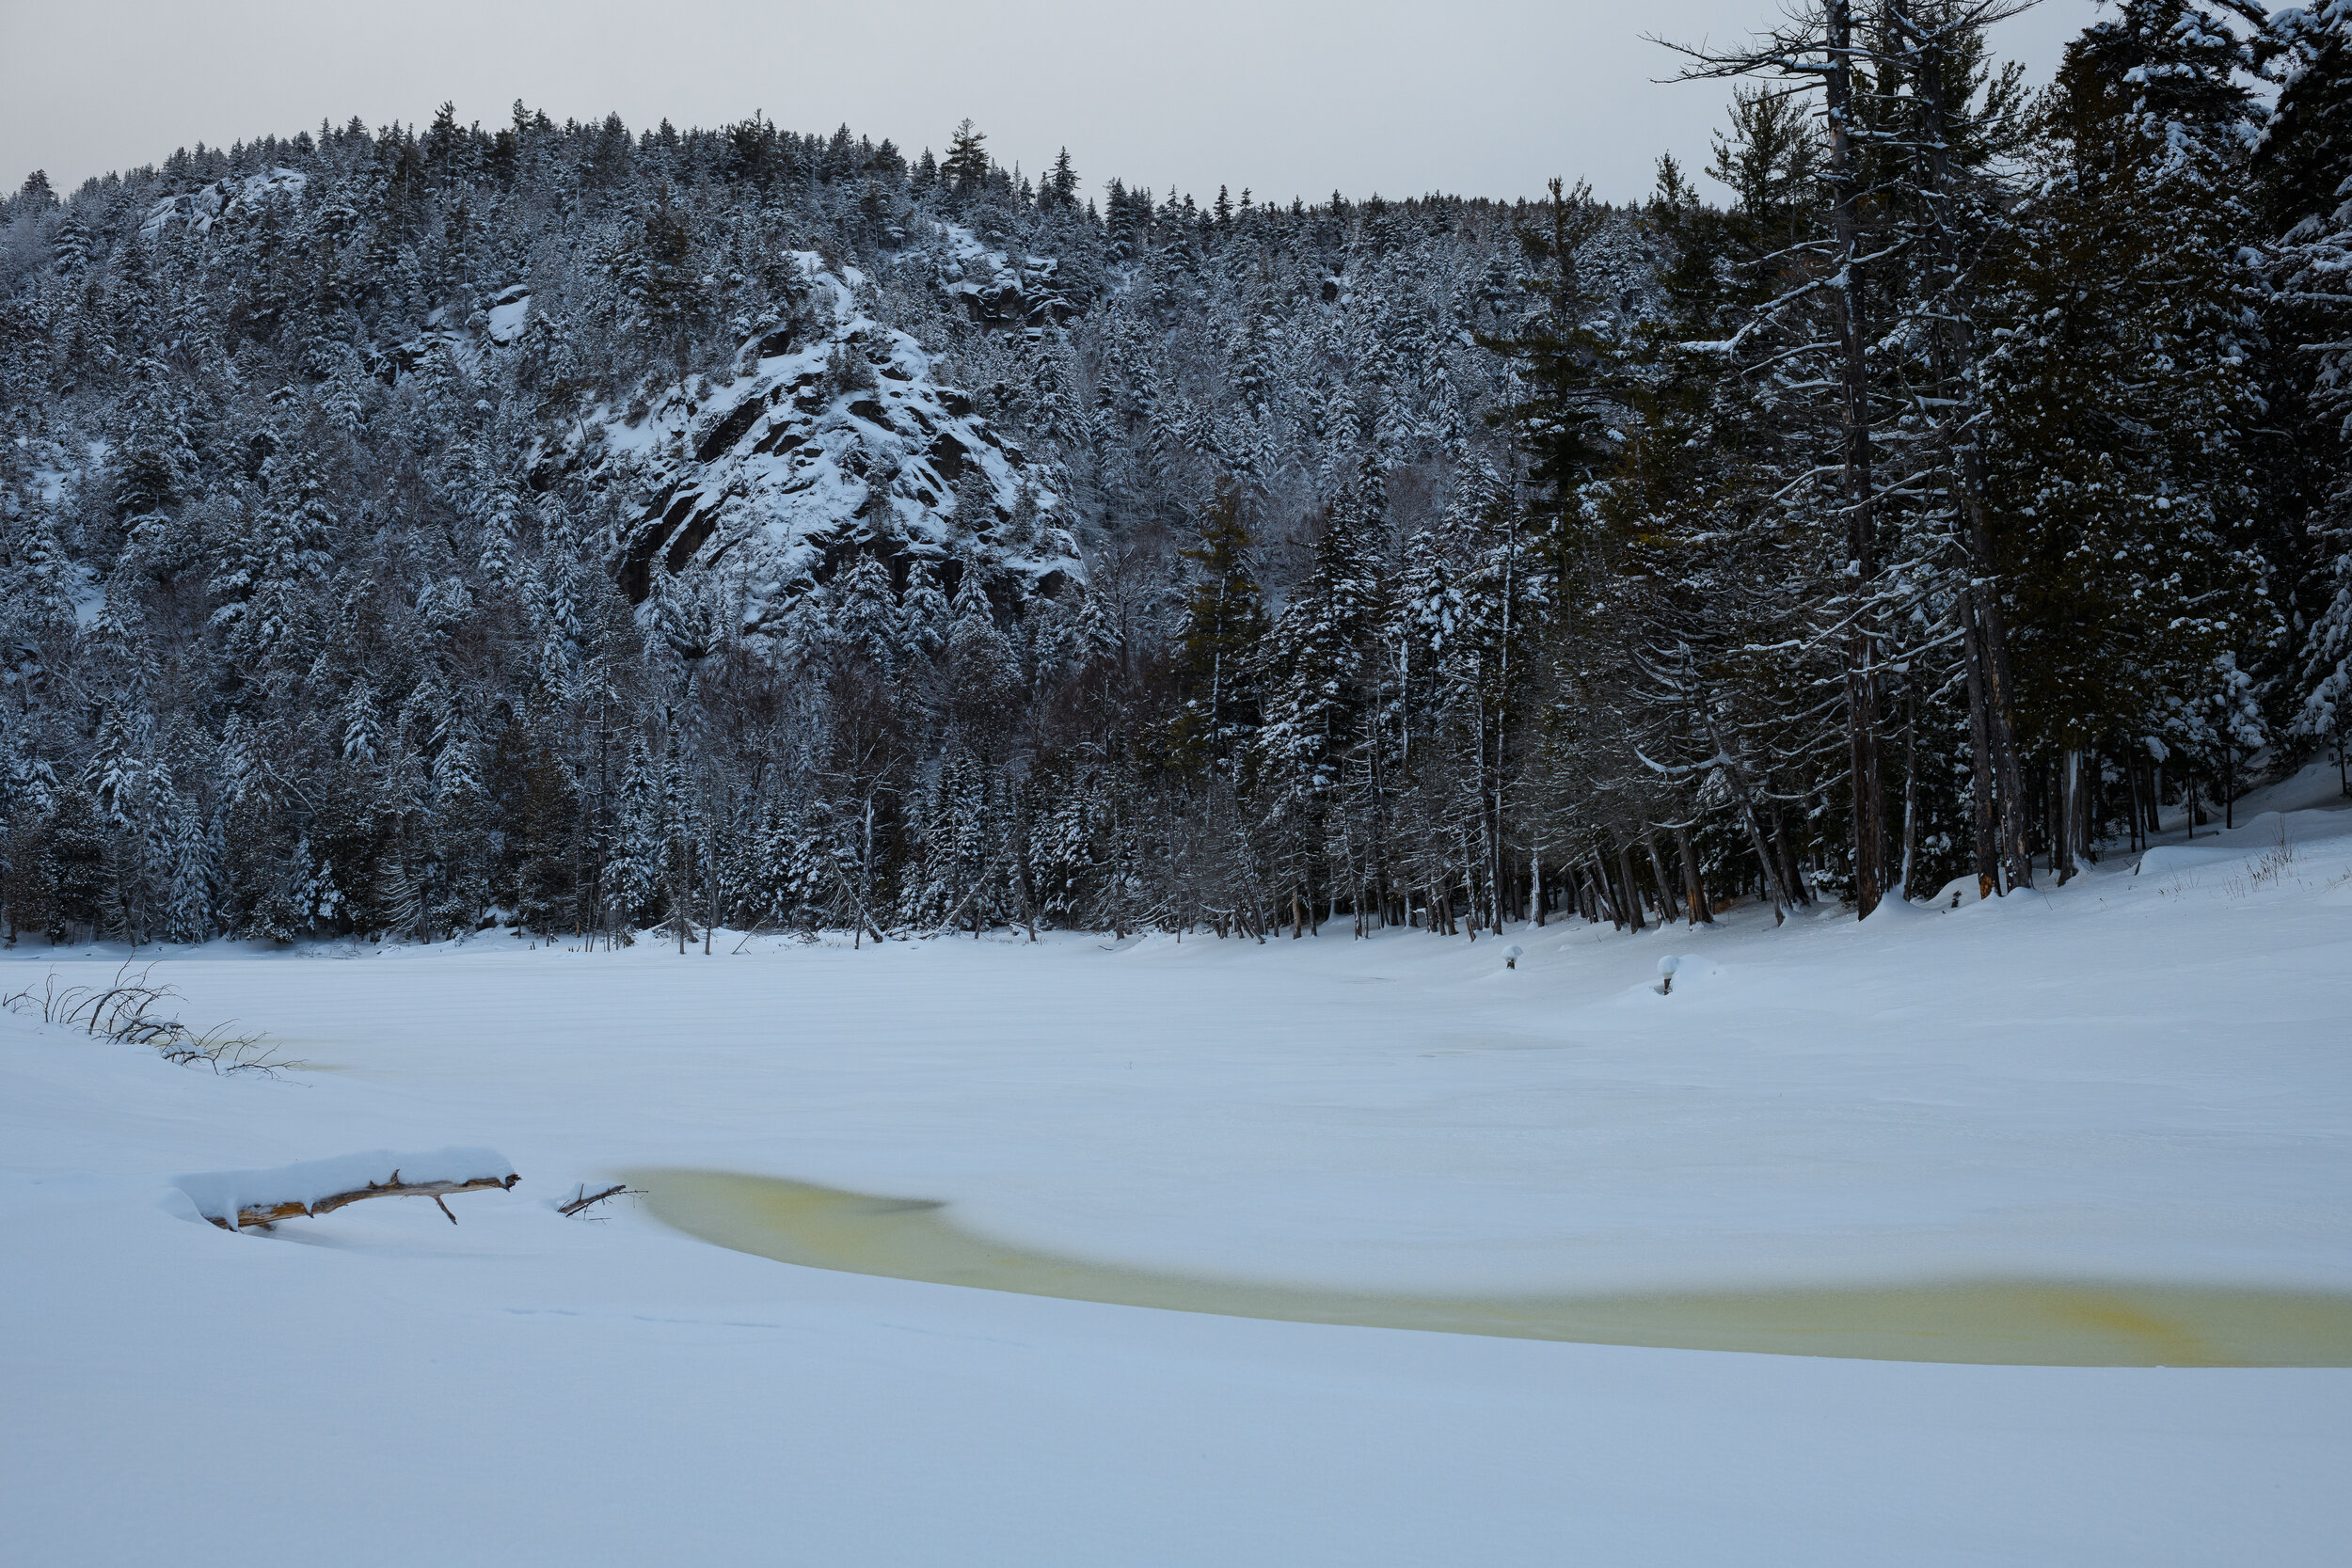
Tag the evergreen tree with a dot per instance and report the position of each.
(268, 570)
(2123, 407)
(1059, 190)
(965, 167)
(2303, 166)
(1224, 619)
(633, 872)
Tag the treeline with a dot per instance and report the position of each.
(1962, 490)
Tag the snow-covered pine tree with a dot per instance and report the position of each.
(2304, 169)
(1224, 618)
(2123, 408)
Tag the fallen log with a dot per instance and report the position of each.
(235, 1200)
(271, 1213)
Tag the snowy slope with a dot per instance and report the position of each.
(2136, 1077)
(835, 438)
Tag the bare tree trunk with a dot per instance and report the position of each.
(1991, 697)
(1791, 877)
(1736, 778)
(2131, 773)
(2065, 775)
(1862, 640)
(2086, 807)
(1911, 793)
(1632, 890)
(1658, 869)
(1773, 887)
(1605, 896)
(1694, 891)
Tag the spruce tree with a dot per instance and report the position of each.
(965, 166)
(1215, 647)
(2123, 409)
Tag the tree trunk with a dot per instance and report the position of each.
(2066, 779)
(1790, 875)
(1992, 694)
(1658, 869)
(1632, 890)
(1862, 646)
(1736, 779)
(1773, 887)
(1604, 894)
(2131, 774)
(1694, 891)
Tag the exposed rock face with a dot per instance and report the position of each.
(200, 207)
(834, 439)
(998, 289)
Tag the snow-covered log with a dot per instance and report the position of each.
(239, 1198)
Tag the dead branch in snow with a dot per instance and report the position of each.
(586, 1199)
(270, 1213)
(121, 1011)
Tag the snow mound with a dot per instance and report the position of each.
(220, 1194)
(1957, 894)
(199, 208)
(2167, 858)
(1898, 904)
(506, 314)
(834, 437)
(1679, 971)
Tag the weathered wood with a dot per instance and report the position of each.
(270, 1213)
(586, 1198)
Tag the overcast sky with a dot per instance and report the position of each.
(1290, 98)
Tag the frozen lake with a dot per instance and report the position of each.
(2121, 1112)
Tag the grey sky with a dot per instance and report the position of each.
(1289, 97)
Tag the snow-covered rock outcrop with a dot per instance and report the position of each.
(998, 289)
(834, 437)
(199, 208)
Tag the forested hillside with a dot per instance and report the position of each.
(404, 530)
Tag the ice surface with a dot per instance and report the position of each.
(2033, 1322)
(2123, 1080)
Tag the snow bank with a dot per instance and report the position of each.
(220, 1194)
(507, 314)
(1957, 894)
(2167, 859)
(1899, 905)
(1678, 970)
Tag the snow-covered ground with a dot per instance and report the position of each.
(2137, 1078)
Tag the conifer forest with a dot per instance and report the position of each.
(619, 532)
